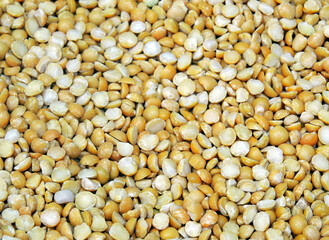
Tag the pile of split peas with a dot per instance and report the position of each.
(170, 119)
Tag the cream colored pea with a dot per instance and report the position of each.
(81, 231)
(210, 44)
(266, 204)
(42, 35)
(60, 174)
(119, 232)
(255, 86)
(90, 55)
(113, 53)
(85, 200)
(261, 221)
(37, 233)
(167, 58)
(19, 48)
(274, 234)
(240, 148)
(272, 60)
(161, 183)
(113, 113)
(227, 136)
(186, 87)
(125, 149)
(228, 73)
(3, 49)
(118, 194)
(127, 39)
(305, 28)
(324, 134)
(265, 8)
(50, 217)
(230, 10)
(230, 169)
(152, 49)
(259, 172)
(191, 44)
(137, 26)
(160, 221)
(227, 235)
(24, 222)
(64, 81)
(59, 108)
(193, 229)
(148, 141)
(98, 223)
(15, 10)
(188, 131)
(127, 166)
(64, 196)
(320, 162)
(242, 132)
(73, 66)
(217, 94)
(100, 99)
(6, 148)
(188, 102)
(34, 88)
(326, 31)
(90, 185)
(211, 116)
(155, 125)
(184, 61)
(231, 57)
(234, 194)
(242, 95)
(169, 167)
(275, 31)
(10, 215)
(274, 155)
(73, 35)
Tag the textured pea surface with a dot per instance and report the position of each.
(126, 119)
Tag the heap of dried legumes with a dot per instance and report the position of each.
(171, 119)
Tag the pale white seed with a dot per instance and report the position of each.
(125, 149)
(230, 11)
(100, 99)
(81, 231)
(320, 162)
(152, 49)
(274, 155)
(85, 200)
(12, 135)
(230, 169)
(42, 35)
(64, 196)
(50, 217)
(148, 141)
(259, 172)
(127, 166)
(137, 26)
(49, 96)
(240, 148)
(59, 108)
(35, 87)
(113, 113)
(193, 229)
(217, 94)
(255, 87)
(160, 221)
(261, 221)
(118, 232)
